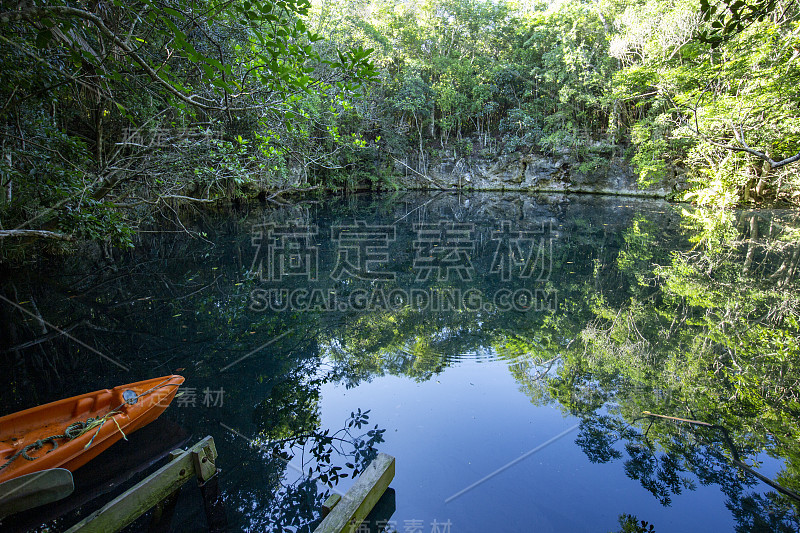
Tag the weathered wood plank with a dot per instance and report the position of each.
(204, 460)
(330, 503)
(134, 502)
(356, 504)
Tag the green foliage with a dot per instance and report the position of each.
(730, 17)
(717, 343)
(650, 157)
(134, 104)
(635, 259)
(96, 220)
(504, 77)
(699, 91)
(630, 524)
(110, 109)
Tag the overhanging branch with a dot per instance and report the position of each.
(773, 164)
(744, 146)
(39, 12)
(38, 233)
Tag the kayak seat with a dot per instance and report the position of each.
(102, 401)
(93, 405)
(82, 408)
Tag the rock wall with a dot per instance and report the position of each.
(529, 172)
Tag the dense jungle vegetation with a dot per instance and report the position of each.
(112, 113)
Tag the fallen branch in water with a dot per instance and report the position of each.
(439, 185)
(189, 198)
(38, 233)
(648, 413)
(274, 197)
(46, 337)
(736, 461)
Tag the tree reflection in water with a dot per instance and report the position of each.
(679, 312)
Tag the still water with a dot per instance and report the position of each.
(505, 348)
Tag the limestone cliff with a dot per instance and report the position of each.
(530, 172)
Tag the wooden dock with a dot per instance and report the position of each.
(160, 490)
(346, 513)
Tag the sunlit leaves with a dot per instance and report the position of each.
(683, 101)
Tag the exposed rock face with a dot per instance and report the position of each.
(529, 172)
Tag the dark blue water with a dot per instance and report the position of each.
(506, 347)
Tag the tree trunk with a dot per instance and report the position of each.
(9, 185)
(751, 243)
(99, 134)
(36, 233)
(433, 121)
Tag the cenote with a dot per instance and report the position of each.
(510, 351)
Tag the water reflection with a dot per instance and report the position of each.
(603, 309)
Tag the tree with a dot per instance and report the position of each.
(103, 102)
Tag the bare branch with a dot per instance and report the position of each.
(179, 197)
(744, 147)
(773, 164)
(38, 233)
(14, 16)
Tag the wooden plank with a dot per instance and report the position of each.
(213, 505)
(134, 502)
(356, 504)
(330, 503)
(204, 460)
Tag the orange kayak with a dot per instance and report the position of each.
(69, 433)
